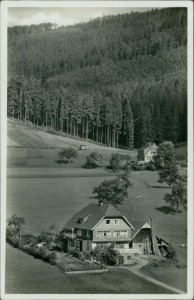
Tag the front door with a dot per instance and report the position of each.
(78, 245)
(81, 246)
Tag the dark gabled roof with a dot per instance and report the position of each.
(137, 225)
(111, 211)
(92, 214)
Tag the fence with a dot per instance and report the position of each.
(83, 267)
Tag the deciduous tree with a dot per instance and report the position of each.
(93, 160)
(113, 191)
(178, 196)
(166, 163)
(67, 153)
(15, 226)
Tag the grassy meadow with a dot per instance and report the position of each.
(46, 193)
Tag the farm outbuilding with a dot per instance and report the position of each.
(142, 238)
(145, 240)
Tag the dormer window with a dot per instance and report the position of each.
(108, 222)
(83, 219)
(116, 222)
(80, 220)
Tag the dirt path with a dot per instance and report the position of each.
(136, 270)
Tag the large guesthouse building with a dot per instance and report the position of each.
(99, 225)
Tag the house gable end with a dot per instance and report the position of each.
(121, 224)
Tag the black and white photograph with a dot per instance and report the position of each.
(97, 146)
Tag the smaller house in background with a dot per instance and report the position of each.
(146, 153)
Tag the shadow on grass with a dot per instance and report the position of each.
(108, 168)
(166, 210)
(88, 166)
(62, 161)
(159, 187)
(93, 197)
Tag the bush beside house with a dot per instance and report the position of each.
(49, 246)
(108, 256)
(119, 161)
(149, 166)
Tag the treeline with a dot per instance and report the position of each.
(119, 80)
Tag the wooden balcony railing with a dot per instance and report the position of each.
(70, 235)
(110, 238)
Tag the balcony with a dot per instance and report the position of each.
(111, 239)
(70, 235)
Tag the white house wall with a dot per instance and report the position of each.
(148, 156)
(102, 226)
(150, 153)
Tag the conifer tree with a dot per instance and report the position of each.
(128, 126)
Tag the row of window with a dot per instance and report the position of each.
(116, 233)
(113, 222)
(105, 233)
(104, 246)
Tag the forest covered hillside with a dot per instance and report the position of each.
(118, 80)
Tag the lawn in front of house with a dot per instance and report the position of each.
(26, 275)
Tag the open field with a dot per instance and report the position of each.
(25, 275)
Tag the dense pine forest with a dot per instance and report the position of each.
(118, 80)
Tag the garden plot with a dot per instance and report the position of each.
(68, 263)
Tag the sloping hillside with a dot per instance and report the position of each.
(33, 147)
